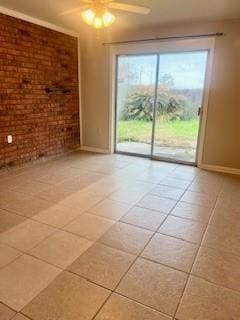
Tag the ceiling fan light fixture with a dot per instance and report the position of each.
(98, 18)
(96, 13)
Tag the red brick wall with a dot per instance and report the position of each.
(31, 59)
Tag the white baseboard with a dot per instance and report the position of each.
(220, 169)
(96, 150)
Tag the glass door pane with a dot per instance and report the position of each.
(136, 79)
(180, 95)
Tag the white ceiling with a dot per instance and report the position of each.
(162, 11)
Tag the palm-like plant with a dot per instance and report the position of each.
(139, 106)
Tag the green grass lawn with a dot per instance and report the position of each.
(169, 133)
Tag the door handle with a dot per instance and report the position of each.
(199, 111)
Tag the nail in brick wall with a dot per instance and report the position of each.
(33, 58)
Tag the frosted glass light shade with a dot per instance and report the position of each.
(88, 16)
(108, 18)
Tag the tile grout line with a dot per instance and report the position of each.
(196, 255)
(6, 265)
(189, 273)
(4, 304)
(132, 299)
(137, 257)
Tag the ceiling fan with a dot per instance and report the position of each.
(97, 14)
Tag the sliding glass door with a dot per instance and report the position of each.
(158, 104)
(179, 98)
(136, 78)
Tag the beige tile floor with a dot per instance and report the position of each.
(110, 237)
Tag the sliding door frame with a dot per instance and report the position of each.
(196, 45)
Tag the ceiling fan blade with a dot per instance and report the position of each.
(84, 7)
(129, 8)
